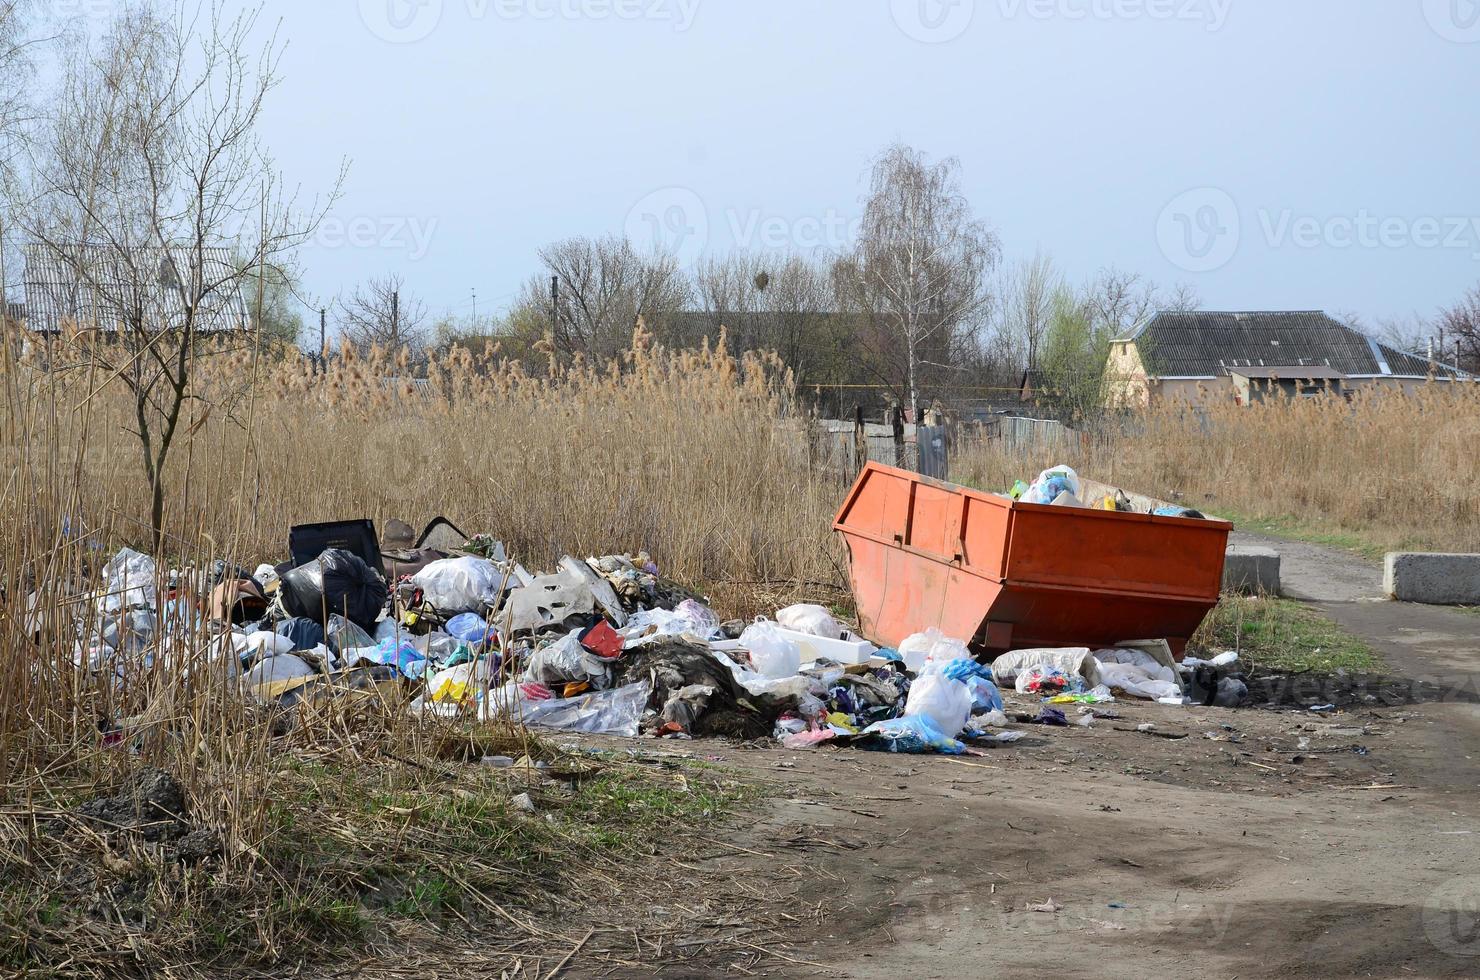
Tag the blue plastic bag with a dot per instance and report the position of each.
(985, 695)
(408, 660)
(913, 734)
(470, 628)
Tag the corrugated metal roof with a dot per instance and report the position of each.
(1312, 373)
(105, 288)
(1203, 344)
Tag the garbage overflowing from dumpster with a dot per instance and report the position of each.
(605, 645)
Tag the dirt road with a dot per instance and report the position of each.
(1248, 843)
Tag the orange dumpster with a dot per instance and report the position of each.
(1005, 575)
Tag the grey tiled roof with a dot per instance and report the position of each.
(100, 287)
(1203, 344)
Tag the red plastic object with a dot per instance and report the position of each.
(1005, 575)
(602, 640)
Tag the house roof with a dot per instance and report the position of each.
(1288, 373)
(103, 287)
(1204, 344)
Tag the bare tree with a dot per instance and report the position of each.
(147, 171)
(602, 286)
(380, 313)
(1025, 311)
(1459, 331)
(778, 303)
(16, 72)
(922, 259)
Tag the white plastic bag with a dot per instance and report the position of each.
(931, 647)
(285, 667)
(945, 702)
(128, 580)
(1071, 660)
(771, 653)
(1141, 680)
(459, 585)
(1051, 483)
(262, 644)
(812, 620)
(566, 662)
(795, 686)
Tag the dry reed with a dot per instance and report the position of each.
(1387, 471)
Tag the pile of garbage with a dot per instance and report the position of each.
(1060, 486)
(603, 645)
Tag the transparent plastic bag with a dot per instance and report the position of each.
(341, 634)
(128, 581)
(771, 653)
(913, 734)
(614, 712)
(1051, 483)
(459, 585)
(564, 662)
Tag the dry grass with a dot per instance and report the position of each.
(699, 458)
(1384, 472)
(696, 457)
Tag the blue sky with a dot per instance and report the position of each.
(1273, 153)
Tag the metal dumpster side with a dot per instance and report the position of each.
(1007, 575)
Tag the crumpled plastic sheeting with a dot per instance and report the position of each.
(914, 734)
(459, 585)
(409, 661)
(760, 685)
(1139, 678)
(565, 661)
(128, 580)
(615, 712)
(691, 619)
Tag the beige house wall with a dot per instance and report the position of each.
(1127, 384)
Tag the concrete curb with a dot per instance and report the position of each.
(1251, 570)
(1432, 578)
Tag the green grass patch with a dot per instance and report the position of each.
(1297, 530)
(1281, 634)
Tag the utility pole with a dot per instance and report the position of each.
(475, 306)
(554, 303)
(395, 321)
(323, 343)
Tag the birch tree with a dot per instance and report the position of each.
(922, 261)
